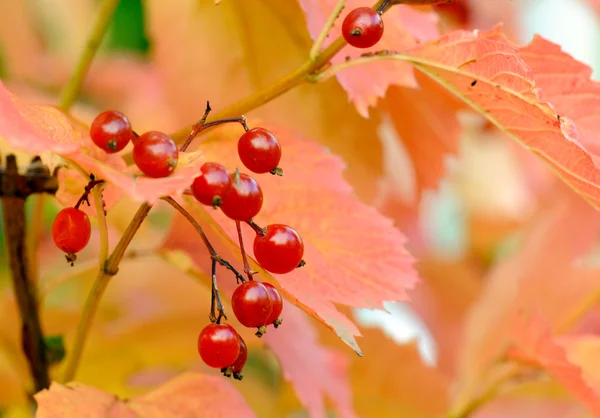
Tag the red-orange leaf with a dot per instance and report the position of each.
(313, 369)
(489, 74)
(404, 28)
(566, 84)
(354, 255)
(535, 344)
(39, 129)
(426, 122)
(183, 396)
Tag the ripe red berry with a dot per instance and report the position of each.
(111, 131)
(362, 27)
(277, 303)
(212, 184)
(259, 150)
(218, 345)
(251, 304)
(155, 154)
(244, 198)
(240, 362)
(71, 230)
(280, 250)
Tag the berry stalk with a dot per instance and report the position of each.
(247, 269)
(213, 253)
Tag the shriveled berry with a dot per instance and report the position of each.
(156, 154)
(362, 27)
(243, 199)
(111, 131)
(218, 345)
(277, 302)
(210, 187)
(71, 230)
(259, 150)
(252, 305)
(240, 362)
(280, 250)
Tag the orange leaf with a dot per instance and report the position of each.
(566, 84)
(489, 74)
(183, 396)
(404, 28)
(426, 122)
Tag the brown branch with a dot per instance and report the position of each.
(14, 190)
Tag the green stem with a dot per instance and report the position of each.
(73, 87)
(93, 300)
(33, 236)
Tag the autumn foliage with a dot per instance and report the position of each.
(448, 174)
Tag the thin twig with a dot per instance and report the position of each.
(85, 197)
(215, 297)
(249, 272)
(73, 87)
(202, 125)
(213, 253)
(316, 48)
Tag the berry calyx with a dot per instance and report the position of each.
(279, 250)
(243, 199)
(218, 345)
(362, 27)
(111, 131)
(212, 184)
(252, 305)
(277, 302)
(259, 150)
(71, 230)
(156, 154)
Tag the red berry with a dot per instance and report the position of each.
(276, 301)
(244, 198)
(212, 184)
(111, 131)
(280, 250)
(259, 150)
(251, 304)
(71, 230)
(155, 154)
(362, 27)
(218, 345)
(240, 361)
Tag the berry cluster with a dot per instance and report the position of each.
(255, 304)
(278, 248)
(363, 27)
